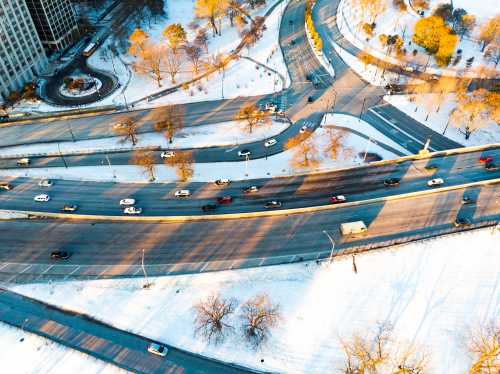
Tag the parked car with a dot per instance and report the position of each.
(467, 199)
(461, 222)
(491, 166)
(127, 202)
(132, 210)
(225, 200)
(59, 255)
(338, 199)
(167, 154)
(273, 204)
(244, 152)
(209, 207)
(23, 161)
(251, 189)
(270, 142)
(182, 193)
(158, 349)
(435, 182)
(392, 182)
(485, 159)
(69, 208)
(42, 198)
(6, 186)
(222, 182)
(45, 183)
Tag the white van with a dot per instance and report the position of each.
(350, 228)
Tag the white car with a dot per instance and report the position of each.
(158, 349)
(270, 143)
(42, 198)
(167, 154)
(23, 161)
(45, 183)
(118, 125)
(303, 129)
(435, 182)
(127, 202)
(182, 193)
(132, 210)
(222, 182)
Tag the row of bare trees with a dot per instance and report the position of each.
(257, 315)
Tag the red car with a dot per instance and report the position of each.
(337, 199)
(225, 200)
(485, 159)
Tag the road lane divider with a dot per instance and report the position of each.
(243, 215)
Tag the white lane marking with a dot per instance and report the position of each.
(232, 149)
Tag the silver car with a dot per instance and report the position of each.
(158, 349)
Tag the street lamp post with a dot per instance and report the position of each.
(362, 107)
(147, 284)
(26, 320)
(330, 258)
(61, 155)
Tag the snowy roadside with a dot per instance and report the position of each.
(432, 292)
(221, 134)
(352, 154)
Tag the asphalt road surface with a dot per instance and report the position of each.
(300, 191)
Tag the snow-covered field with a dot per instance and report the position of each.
(37, 355)
(391, 22)
(432, 292)
(220, 134)
(438, 121)
(352, 154)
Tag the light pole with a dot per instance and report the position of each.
(110, 168)
(330, 258)
(26, 320)
(362, 108)
(61, 155)
(366, 149)
(147, 284)
(71, 131)
(247, 157)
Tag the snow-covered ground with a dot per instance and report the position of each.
(351, 154)
(37, 355)
(220, 134)
(432, 292)
(438, 121)
(392, 22)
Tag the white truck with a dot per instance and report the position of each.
(352, 228)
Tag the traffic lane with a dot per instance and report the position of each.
(122, 243)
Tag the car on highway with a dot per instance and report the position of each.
(271, 107)
(6, 186)
(158, 349)
(167, 154)
(393, 88)
(338, 199)
(467, 199)
(273, 204)
(304, 128)
(270, 143)
(491, 166)
(45, 183)
(244, 152)
(392, 182)
(310, 99)
(435, 182)
(292, 42)
(69, 208)
(290, 22)
(118, 126)
(209, 207)
(431, 167)
(461, 222)
(222, 182)
(251, 189)
(485, 159)
(127, 202)
(23, 161)
(59, 255)
(42, 198)
(182, 193)
(132, 210)
(224, 199)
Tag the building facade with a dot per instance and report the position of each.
(22, 56)
(55, 22)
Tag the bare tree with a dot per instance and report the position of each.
(335, 145)
(183, 164)
(252, 116)
(145, 160)
(173, 121)
(211, 318)
(255, 32)
(472, 113)
(173, 62)
(150, 61)
(484, 347)
(259, 315)
(492, 53)
(305, 151)
(128, 129)
(194, 53)
(201, 39)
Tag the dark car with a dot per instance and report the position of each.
(461, 222)
(59, 255)
(292, 42)
(272, 204)
(209, 207)
(244, 152)
(467, 200)
(310, 99)
(393, 88)
(225, 200)
(6, 186)
(251, 189)
(490, 166)
(69, 208)
(485, 159)
(290, 22)
(392, 182)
